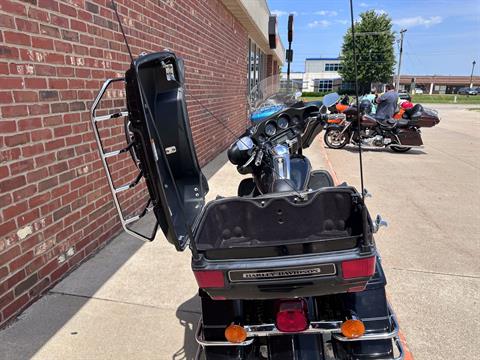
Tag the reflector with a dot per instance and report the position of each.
(292, 316)
(353, 328)
(235, 333)
(358, 268)
(209, 279)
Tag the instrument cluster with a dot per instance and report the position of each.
(276, 125)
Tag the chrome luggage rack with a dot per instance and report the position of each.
(329, 329)
(125, 221)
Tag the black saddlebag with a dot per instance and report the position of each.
(281, 246)
(409, 137)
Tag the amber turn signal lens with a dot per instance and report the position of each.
(235, 333)
(353, 328)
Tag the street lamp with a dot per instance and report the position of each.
(471, 75)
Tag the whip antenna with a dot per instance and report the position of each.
(357, 96)
(114, 6)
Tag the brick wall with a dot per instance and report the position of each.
(55, 207)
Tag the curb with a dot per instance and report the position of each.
(403, 340)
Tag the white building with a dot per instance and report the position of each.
(321, 75)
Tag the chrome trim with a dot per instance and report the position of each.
(104, 155)
(202, 342)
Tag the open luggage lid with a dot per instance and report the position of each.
(163, 143)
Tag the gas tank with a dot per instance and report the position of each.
(368, 121)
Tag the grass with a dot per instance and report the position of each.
(429, 99)
(446, 99)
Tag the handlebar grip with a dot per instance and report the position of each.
(258, 158)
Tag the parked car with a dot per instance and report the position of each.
(467, 91)
(404, 95)
(418, 91)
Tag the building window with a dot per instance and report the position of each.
(256, 64)
(322, 85)
(332, 67)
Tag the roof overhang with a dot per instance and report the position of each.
(254, 16)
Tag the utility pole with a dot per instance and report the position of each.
(402, 32)
(471, 75)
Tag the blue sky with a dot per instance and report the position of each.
(442, 38)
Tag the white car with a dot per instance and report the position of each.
(418, 91)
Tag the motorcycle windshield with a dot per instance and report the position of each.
(272, 95)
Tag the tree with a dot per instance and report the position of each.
(375, 54)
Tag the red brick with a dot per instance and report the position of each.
(12, 184)
(11, 82)
(7, 126)
(41, 134)
(5, 199)
(17, 38)
(7, 21)
(57, 84)
(37, 14)
(17, 139)
(24, 193)
(27, 26)
(21, 166)
(8, 52)
(25, 96)
(6, 299)
(37, 175)
(20, 262)
(6, 97)
(4, 172)
(39, 200)
(11, 7)
(45, 70)
(48, 4)
(14, 111)
(42, 43)
(10, 254)
(37, 109)
(28, 217)
(15, 306)
(47, 184)
(35, 83)
(29, 124)
(15, 210)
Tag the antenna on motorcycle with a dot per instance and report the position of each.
(114, 6)
(357, 96)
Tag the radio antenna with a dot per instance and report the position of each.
(114, 6)
(357, 96)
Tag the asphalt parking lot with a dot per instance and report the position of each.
(431, 248)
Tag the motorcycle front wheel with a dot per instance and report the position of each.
(335, 139)
(400, 149)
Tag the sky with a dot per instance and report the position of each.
(442, 38)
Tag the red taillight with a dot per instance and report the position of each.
(209, 279)
(292, 316)
(358, 268)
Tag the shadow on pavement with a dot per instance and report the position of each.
(23, 338)
(188, 318)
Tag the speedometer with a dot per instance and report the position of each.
(270, 129)
(282, 122)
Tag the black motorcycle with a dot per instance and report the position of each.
(400, 135)
(288, 269)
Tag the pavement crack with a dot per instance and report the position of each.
(122, 302)
(437, 273)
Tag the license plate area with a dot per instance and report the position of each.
(278, 274)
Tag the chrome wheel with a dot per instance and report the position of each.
(335, 139)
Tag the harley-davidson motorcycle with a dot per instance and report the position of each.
(400, 135)
(286, 270)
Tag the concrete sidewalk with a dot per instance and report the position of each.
(133, 300)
